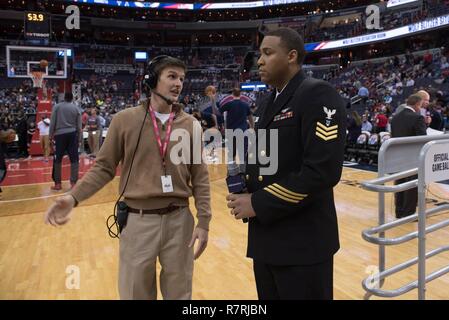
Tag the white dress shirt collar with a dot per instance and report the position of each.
(279, 92)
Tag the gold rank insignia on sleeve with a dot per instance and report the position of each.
(284, 194)
(326, 133)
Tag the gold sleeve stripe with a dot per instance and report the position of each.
(325, 138)
(280, 196)
(288, 191)
(326, 128)
(285, 194)
(318, 129)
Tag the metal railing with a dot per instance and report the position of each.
(396, 161)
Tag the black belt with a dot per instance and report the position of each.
(154, 211)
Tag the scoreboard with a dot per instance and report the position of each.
(37, 25)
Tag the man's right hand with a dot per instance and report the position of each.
(59, 212)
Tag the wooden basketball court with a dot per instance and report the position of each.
(37, 260)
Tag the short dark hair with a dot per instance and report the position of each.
(169, 62)
(236, 92)
(291, 40)
(414, 99)
(68, 97)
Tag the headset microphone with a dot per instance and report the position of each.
(150, 79)
(167, 100)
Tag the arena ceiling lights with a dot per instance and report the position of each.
(394, 3)
(189, 6)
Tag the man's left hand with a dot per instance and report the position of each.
(241, 205)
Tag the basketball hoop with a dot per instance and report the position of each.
(37, 77)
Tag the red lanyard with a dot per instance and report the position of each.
(162, 146)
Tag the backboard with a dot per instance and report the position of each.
(21, 60)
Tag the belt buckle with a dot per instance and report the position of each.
(174, 208)
(168, 209)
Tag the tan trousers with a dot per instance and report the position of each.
(45, 144)
(150, 236)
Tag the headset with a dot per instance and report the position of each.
(151, 77)
(149, 83)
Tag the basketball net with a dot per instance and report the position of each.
(37, 77)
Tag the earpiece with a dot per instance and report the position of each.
(150, 78)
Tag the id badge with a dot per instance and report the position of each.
(167, 185)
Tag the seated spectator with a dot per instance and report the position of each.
(437, 122)
(366, 124)
(381, 122)
(363, 92)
